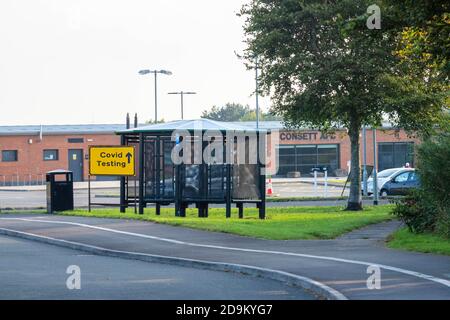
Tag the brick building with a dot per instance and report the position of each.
(28, 152)
(299, 151)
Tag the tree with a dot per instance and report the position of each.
(326, 69)
(424, 33)
(230, 112)
(151, 121)
(236, 112)
(263, 116)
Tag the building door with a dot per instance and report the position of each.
(76, 163)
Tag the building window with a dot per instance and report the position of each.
(9, 155)
(51, 155)
(395, 154)
(303, 158)
(75, 140)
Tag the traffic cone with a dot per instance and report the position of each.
(269, 187)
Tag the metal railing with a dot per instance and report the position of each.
(30, 179)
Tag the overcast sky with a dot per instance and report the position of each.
(67, 61)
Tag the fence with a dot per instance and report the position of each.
(22, 179)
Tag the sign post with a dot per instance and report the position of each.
(110, 161)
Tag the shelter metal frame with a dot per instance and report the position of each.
(161, 182)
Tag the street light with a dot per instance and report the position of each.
(182, 93)
(257, 92)
(365, 161)
(375, 165)
(155, 72)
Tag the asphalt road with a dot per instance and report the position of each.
(342, 264)
(31, 270)
(34, 199)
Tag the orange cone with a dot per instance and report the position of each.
(269, 187)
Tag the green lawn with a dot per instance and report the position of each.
(429, 243)
(286, 223)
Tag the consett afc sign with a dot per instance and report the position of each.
(111, 161)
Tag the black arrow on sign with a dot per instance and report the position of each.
(129, 156)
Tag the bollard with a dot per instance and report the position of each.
(315, 182)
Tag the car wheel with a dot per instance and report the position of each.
(383, 193)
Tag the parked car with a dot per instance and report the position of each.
(400, 184)
(382, 178)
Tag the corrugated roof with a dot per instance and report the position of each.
(197, 124)
(205, 124)
(62, 129)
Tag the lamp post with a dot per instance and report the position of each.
(257, 92)
(375, 164)
(364, 160)
(155, 72)
(182, 93)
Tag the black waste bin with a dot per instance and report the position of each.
(59, 190)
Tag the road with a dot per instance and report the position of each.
(35, 199)
(31, 270)
(342, 264)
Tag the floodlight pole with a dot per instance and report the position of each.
(375, 178)
(156, 97)
(364, 133)
(256, 92)
(182, 93)
(155, 72)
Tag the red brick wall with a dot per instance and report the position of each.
(31, 156)
(385, 136)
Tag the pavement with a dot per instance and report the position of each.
(32, 270)
(342, 265)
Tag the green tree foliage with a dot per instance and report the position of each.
(428, 209)
(236, 112)
(151, 121)
(424, 34)
(229, 112)
(324, 68)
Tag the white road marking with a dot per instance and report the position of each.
(386, 267)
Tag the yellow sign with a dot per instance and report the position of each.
(111, 161)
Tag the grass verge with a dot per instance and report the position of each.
(429, 243)
(285, 223)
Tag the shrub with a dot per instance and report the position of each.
(416, 212)
(428, 209)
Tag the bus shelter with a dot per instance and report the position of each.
(198, 163)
